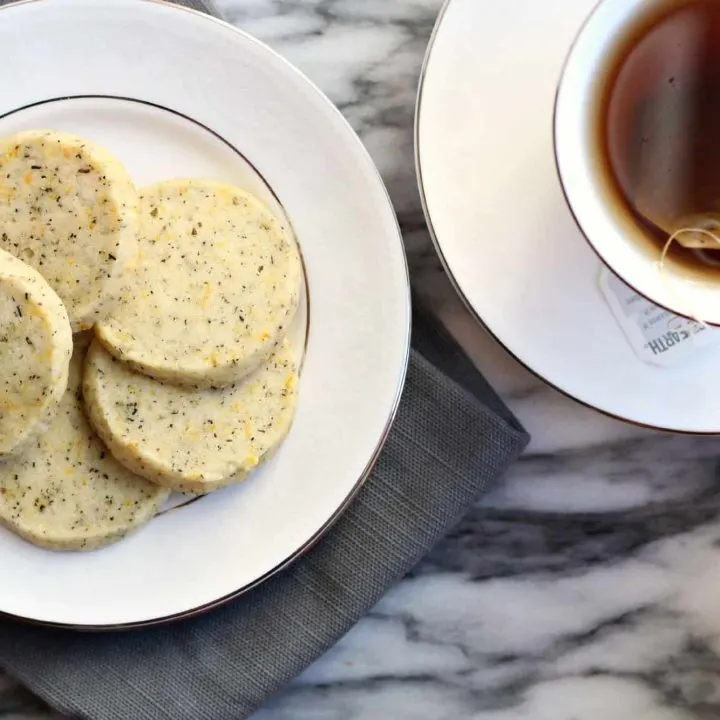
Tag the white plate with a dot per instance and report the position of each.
(173, 92)
(502, 227)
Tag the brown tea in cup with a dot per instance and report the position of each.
(658, 130)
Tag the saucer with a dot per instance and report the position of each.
(495, 208)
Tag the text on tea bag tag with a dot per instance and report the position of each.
(657, 337)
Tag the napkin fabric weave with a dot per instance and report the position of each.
(451, 438)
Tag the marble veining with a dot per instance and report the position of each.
(586, 585)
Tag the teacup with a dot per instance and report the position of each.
(624, 239)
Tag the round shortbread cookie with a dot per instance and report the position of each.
(35, 348)
(217, 285)
(67, 492)
(69, 209)
(193, 441)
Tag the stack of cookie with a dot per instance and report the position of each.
(180, 375)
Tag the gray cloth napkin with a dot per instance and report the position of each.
(452, 437)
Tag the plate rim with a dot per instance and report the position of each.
(455, 283)
(406, 340)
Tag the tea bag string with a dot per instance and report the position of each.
(671, 290)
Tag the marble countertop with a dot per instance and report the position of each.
(586, 585)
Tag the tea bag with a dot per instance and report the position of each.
(698, 232)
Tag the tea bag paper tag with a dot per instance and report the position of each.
(657, 336)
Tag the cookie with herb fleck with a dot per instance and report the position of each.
(193, 441)
(35, 348)
(69, 209)
(216, 288)
(67, 492)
